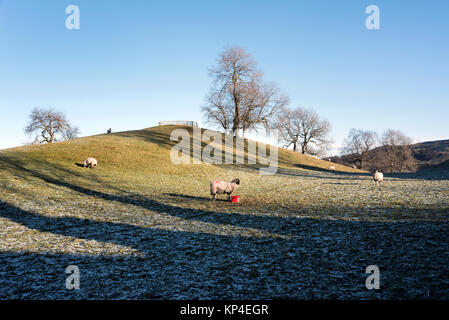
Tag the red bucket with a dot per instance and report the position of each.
(235, 198)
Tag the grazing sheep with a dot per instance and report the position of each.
(222, 187)
(331, 168)
(109, 131)
(378, 177)
(90, 163)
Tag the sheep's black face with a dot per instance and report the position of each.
(237, 181)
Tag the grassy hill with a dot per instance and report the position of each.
(144, 151)
(140, 227)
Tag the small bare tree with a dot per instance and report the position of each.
(303, 128)
(397, 150)
(48, 126)
(239, 99)
(359, 143)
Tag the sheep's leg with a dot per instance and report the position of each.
(213, 197)
(229, 197)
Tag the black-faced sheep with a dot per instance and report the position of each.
(222, 187)
(90, 163)
(378, 177)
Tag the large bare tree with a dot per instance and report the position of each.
(218, 111)
(397, 150)
(48, 126)
(260, 104)
(239, 99)
(359, 143)
(301, 127)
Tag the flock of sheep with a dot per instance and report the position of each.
(223, 187)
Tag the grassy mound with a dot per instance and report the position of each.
(144, 151)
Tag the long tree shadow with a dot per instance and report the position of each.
(56, 176)
(273, 224)
(173, 262)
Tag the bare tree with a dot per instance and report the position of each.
(303, 128)
(218, 111)
(239, 99)
(260, 104)
(48, 126)
(397, 150)
(359, 143)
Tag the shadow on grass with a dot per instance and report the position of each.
(162, 140)
(327, 262)
(185, 196)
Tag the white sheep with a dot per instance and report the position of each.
(90, 163)
(378, 177)
(222, 187)
(331, 168)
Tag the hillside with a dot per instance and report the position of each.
(145, 150)
(139, 227)
(426, 155)
(431, 153)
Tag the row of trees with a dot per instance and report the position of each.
(393, 150)
(240, 100)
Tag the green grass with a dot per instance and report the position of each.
(149, 230)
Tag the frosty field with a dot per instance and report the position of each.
(146, 229)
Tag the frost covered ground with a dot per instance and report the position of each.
(300, 234)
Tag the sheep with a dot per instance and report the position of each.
(378, 177)
(90, 163)
(331, 168)
(109, 131)
(222, 187)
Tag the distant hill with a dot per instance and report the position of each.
(427, 155)
(431, 153)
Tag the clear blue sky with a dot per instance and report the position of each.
(134, 63)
